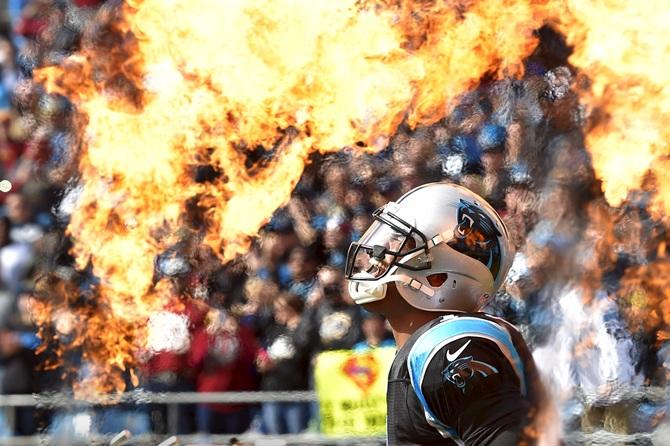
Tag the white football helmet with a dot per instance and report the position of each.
(443, 245)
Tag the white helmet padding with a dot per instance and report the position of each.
(442, 244)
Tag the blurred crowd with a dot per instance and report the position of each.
(258, 322)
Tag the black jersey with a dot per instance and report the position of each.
(462, 379)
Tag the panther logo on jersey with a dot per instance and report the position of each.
(461, 371)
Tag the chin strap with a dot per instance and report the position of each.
(410, 282)
(440, 238)
(363, 292)
(414, 283)
(433, 242)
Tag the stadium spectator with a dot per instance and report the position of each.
(333, 322)
(18, 341)
(336, 239)
(166, 367)
(223, 354)
(257, 311)
(377, 334)
(284, 365)
(17, 256)
(298, 274)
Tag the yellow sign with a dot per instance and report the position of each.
(351, 388)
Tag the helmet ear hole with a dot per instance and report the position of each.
(436, 280)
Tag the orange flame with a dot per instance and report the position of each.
(646, 298)
(622, 46)
(169, 85)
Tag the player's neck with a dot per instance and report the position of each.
(404, 325)
(403, 318)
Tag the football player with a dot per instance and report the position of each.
(429, 262)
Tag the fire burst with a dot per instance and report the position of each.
(621, 45)
(164, 86)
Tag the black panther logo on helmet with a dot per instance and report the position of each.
(476, 236)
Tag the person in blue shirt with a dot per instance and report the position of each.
(375, 332)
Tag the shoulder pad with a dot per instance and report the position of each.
(449, 329)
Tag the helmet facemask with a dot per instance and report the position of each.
(390, 242)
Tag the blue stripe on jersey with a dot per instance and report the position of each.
(451, 329)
